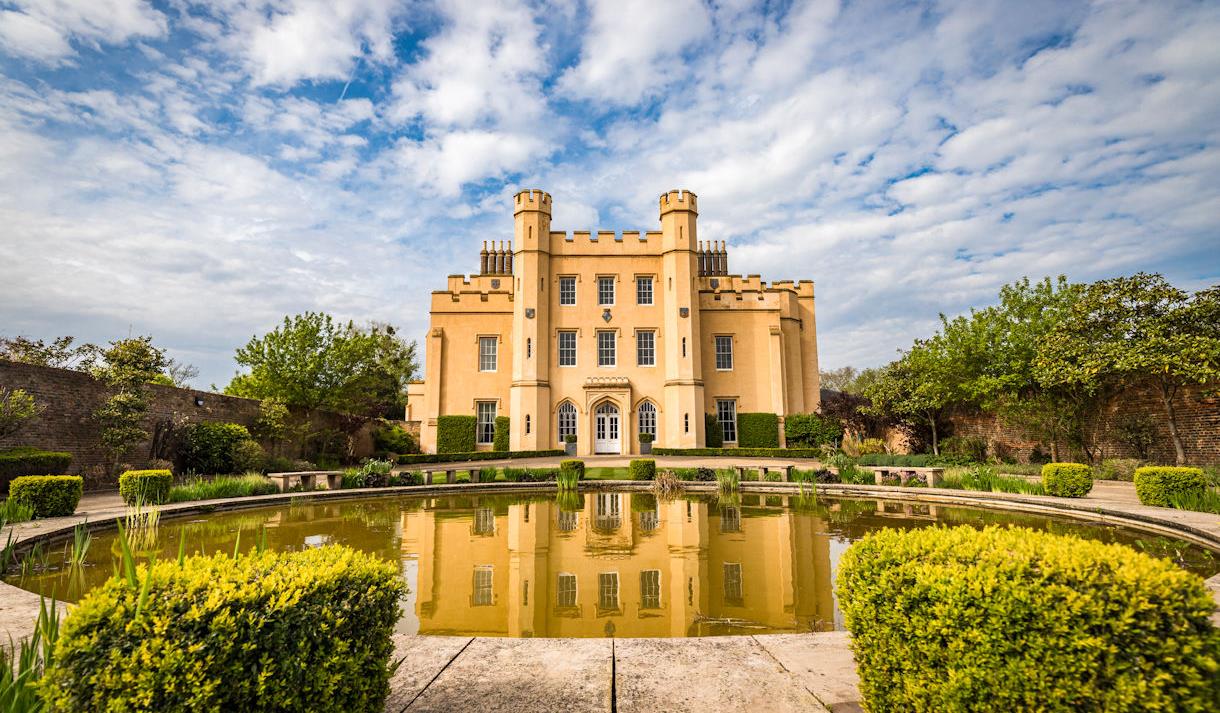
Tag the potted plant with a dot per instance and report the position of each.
(646, 443)
(569, 444)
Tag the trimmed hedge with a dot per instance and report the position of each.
(1015, 619)
(1156, 485)
(757, 430)
(303, 630)
(214, 448)
(530, 475)
(16, 462)
(572, 464)
(48, 495)
(455, 434)
(702, 475)
(917, 460)
(499, 439)
(713, 436)
(643, 469)
(474, 455)
(746, 452)
(810, 430)
(1067, 480)
(151, 486)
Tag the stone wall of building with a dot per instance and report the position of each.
(69, 398)
(1198, 415)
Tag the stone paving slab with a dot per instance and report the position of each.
(712, 674)
(519, 675)
(822, 662)
(423, 659)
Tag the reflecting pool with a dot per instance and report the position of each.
(585, 565)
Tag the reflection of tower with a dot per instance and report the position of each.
(528, 584)
(811, 558)
(686, 527)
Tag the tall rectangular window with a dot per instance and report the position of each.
(567, 290)
(567, 349)
(732, 584)
(650, 589)
(605, 290)
(724, 352)
(726, 413)
(568, 521)
(487, 353)
(643, 290)
(482, 595)
(565, 590)
(607, 590)
(646, 348)
(605, 349)
(484, 521)
(485, 426)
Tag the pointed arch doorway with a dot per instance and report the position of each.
(606, 428)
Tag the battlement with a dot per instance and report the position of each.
(679, 200)
(532, 199)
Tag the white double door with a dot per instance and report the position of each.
(606, 429)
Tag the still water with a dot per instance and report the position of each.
(589, 565)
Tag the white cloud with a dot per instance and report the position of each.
(43, 30)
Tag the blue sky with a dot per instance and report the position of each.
(195, 171)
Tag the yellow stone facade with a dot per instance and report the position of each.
(607, 333)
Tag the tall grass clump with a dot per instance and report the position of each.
(23, 665)
(1207, 500)
(666, 485)
(728, 480)
(12, 512)
(81, 539)
(985, 479)
(567, 479)
(238, 486)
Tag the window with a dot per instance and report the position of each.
(646, 348)
(529, 348)
(567, 349)
(732, 584)
(683, 347)
(730, 520)
(649, 520)
(643, 290)
(607, 590)
(487, 353)
(567, 421)
(567, 290)
(565, 590)
(527, 424)
(726, 413)
(648, 419)
(686, 423)
(608, 514)
(605, 349)
(482, 595)
(484, 521)
(650, 589)
(605, 290)
(724, 353)
(485, 430)
(568, 521)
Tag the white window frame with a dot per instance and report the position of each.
(611, 338)
(648, 425)
(727, 427)
(560, 590)
(733, 590)
(482, 592)
(640, 281)
(607, 586)
(602, 281)
(560, 348)
(650, 351)
(650, 587)
(493, 354)
(479, 425)
(567, 280)
(565, 418)
(727, 354)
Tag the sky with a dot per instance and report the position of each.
(195, 171)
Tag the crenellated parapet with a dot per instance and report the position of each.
(679, 200)
(532, 199)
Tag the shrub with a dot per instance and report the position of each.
(573, 465)
(570, 438)
(643, 469)
(530, 475)
(240, 486)
(499, 440)
(970, 448)
(145, 486)
(455, 434)
(757, 430)
(413, 477)
(647, 438)
(394, 439)
(741, 452)
(297, 631)
(16, 462)
(870, 446)
(247, 456)
(1067, 480)
(476, 455)
(713, 434)
(810, 430)
(1117, 469)
(47, 495)
(1014, 619)
(1158, 485)
(213, 447)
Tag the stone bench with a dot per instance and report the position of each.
(450, 474)
(308, 479)
(905, 474)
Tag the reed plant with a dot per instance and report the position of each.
(238, 486)
(22, 665)
(12, 512)
(567, 479)
(984, 478)
(666, 485)
(142, 522)
(81, 539)
(728, 480)
(1207, 500)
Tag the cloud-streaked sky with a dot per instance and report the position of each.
(195, 171)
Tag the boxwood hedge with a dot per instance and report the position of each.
(298, 631)
(500, 436)
(573, 465)
(643, 469)
(1156, 485)
(474, 455)
(16, 462)
(48, 495)
(713, 434)
(455, 434)
(1015, 619)
(757, 430)
(148, 486)
(743, 452)
(1067, 480)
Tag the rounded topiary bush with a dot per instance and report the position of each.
(1158, 485)
(643, 469)
(1015, 619)
(299, 631)
(48, 495)
(1067, 480)
(573, 466)
(145, 486)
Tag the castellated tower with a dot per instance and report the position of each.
(679, 269)
(530, 393)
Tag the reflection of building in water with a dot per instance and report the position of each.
(667, 569)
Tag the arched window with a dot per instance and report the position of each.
(567, 420)
(648, 419)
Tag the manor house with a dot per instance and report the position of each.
(607, 336)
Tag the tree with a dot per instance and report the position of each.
(848, 379)
(16, 409)
(179, 373)
(1137, 329)
(313, 362)
(920, 386)
(60, 353)
(126, 367)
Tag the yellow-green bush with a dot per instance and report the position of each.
(1067, 480)
(1011, 619)
(147, 486)
(1156, 484)
(264, 632)
(47, 495)
(643, 469)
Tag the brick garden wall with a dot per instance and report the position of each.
(1198, 413)
(69, 398)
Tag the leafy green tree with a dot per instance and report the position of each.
(126, 367)
(17, 407)
(60, 353)
(920, 386)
